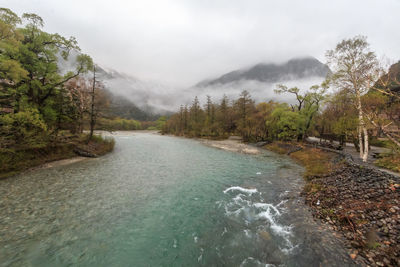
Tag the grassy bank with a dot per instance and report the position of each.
(315, 161)
(16, 160)
(389, 161)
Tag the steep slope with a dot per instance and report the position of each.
(294, 69)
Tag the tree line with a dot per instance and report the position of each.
(38, 100)
(359, 99)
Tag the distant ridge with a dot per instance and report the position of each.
(297, 68)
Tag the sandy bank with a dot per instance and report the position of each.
(61, 162)
(124, 133)
(231, 145)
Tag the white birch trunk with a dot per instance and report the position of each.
(362, 130)
(360, 141)
(366, 143)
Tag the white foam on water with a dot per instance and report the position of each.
(246, 206)
(201, 255)
(289, 250)
(270, 213)
(241, 189)
(247, 232)
(281, 203)
(254, 262)
(283, 194)
(267, 207)
(224, 232)
(281, 230)
(175, 245)
(239, 198)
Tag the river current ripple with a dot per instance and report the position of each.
(163, 201)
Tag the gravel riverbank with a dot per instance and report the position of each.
(364, 205)
(232, 145)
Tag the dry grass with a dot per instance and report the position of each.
(98, 145)
(280, 147)
(390, 161)
(15, 161)
(316, 161)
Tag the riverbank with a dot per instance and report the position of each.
(359, 202)
(17, 160)
(217, 209)
(232, 145)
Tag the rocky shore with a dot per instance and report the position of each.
(363, 204)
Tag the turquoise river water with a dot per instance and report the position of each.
(163, 201)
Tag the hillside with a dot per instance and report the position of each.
(294, 69)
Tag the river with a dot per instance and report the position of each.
(163, 201)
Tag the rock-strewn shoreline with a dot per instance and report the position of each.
(364, 205)
(361, 203)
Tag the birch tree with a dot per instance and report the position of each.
(355, 69)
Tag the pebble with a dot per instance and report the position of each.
(361, 199)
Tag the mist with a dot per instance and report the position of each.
(158, 50)
(179, 43)
(159, 98)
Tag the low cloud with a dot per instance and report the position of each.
(181, 42)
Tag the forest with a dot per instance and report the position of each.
(48, 113)
(359, 102)
(39, 102)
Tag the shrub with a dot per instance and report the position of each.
(25, 127)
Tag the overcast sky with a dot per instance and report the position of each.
(184, 41)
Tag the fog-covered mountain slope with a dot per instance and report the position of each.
(294, 69)
(146, 99)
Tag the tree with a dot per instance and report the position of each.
(384, 98)
(355, 68)
(261, 117)
(308, 104)
(32, 89)
(338, 119)
(389, 82)
(98, 102)
(284, 123)
(210, 113)
(161, 122)
(244, 106)
(195, 117)
(382, 112)
(224, 116)
(92, 112)
(29, 73)
(78, 92)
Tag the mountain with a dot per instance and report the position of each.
(294, 69)
(124, 108)
(130, 98)
(150, 97)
